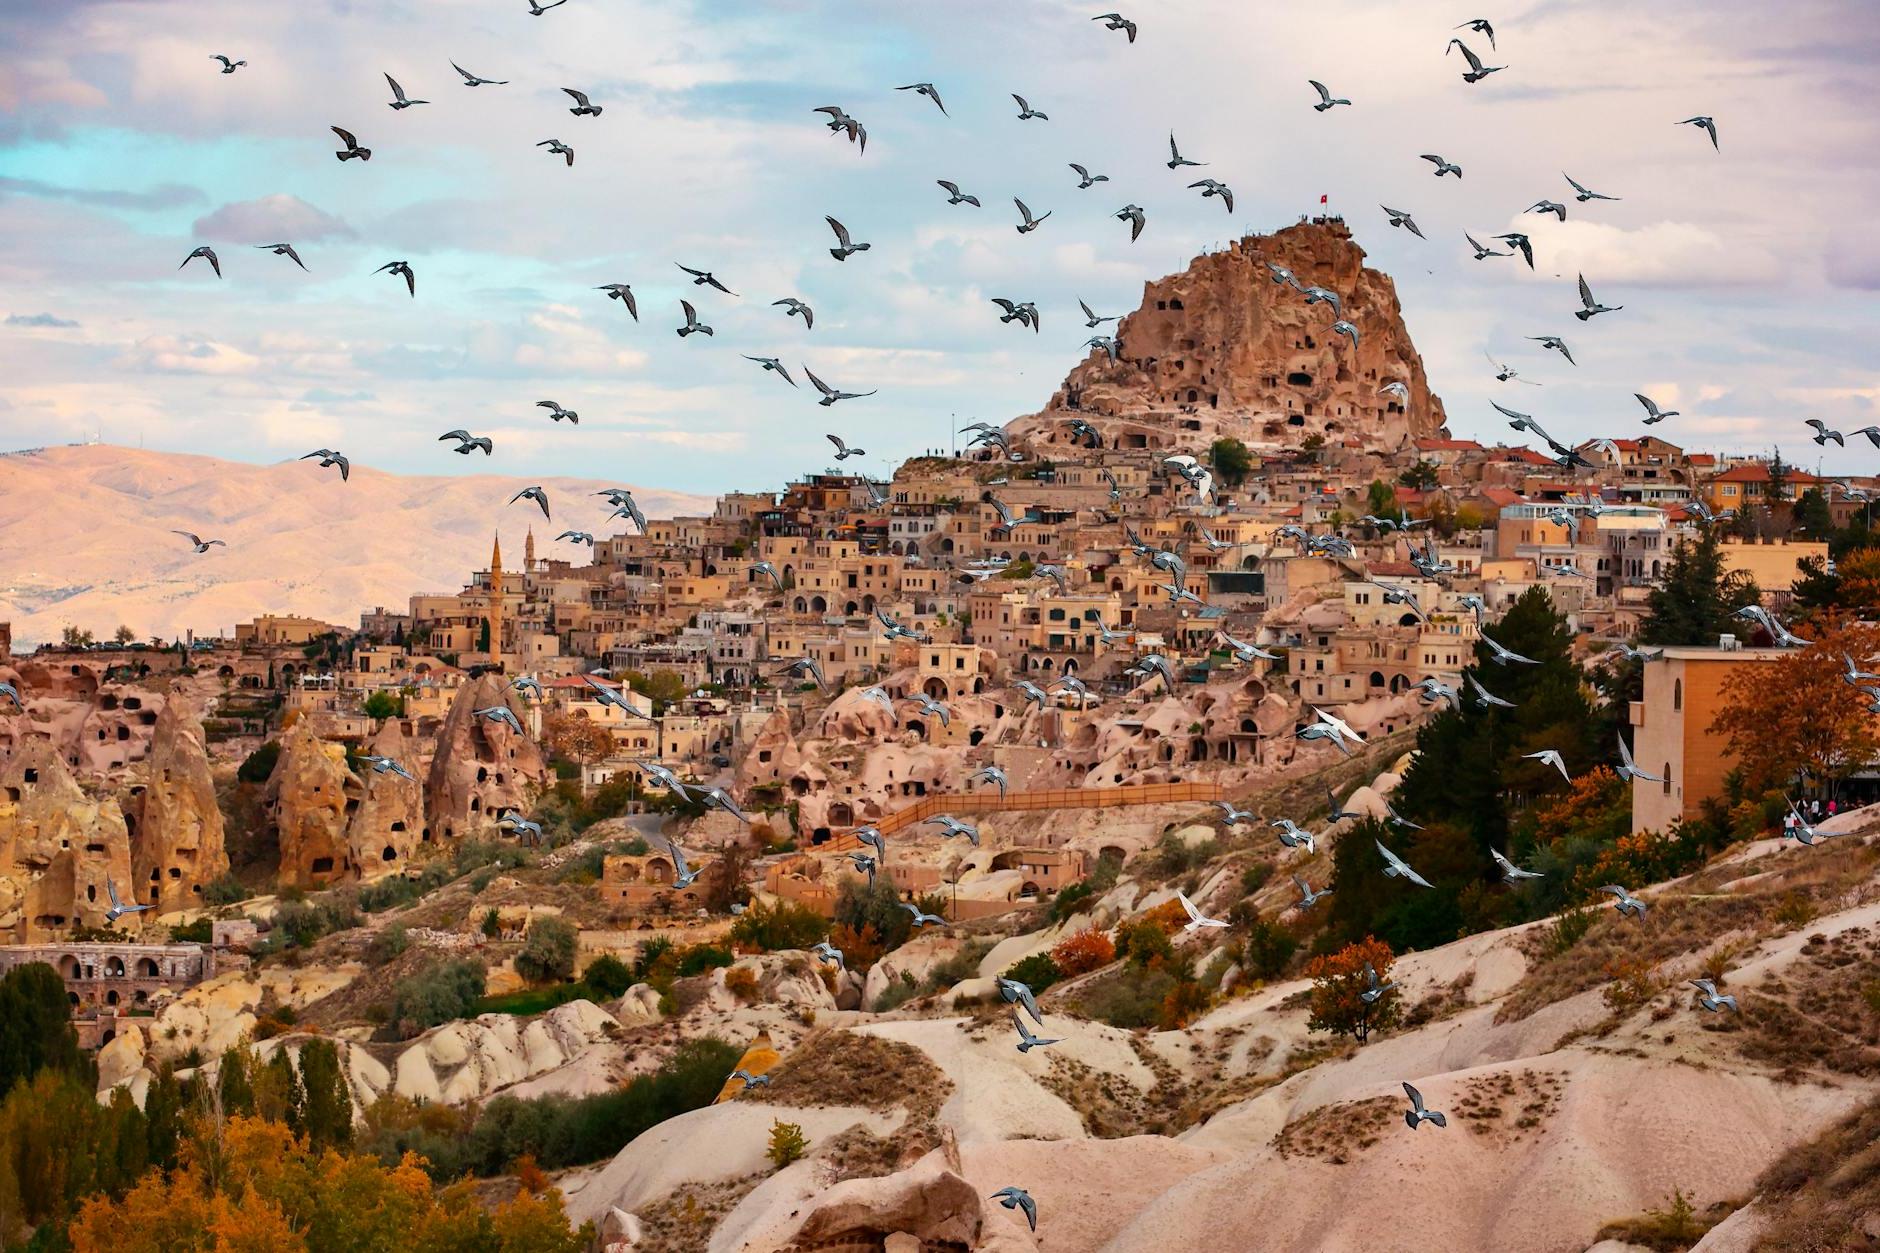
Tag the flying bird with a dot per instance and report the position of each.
(1399, 218)
(1482, 251)
(1232, 816)
(718, 798)
(352, 150)
(829, 394)
(951, 827)
(207, 254)
(692, 325)
(1213, 187)
(1483, 694)
(1085, 179)
(1347, 329)
(1624, 901)
(1307, 897)
(1512, 872)
(1709, 998)
(1477, 71)
(1549, 757)
(1442, 167)
(1628, 769)
(578, 537)
(624, 294)
(1373, 990)
(388, 765)
(1652, 412)
(828, 953)
(927, 90)
(1480, 26)
(472, 80)
(1706, 124)
(1326, 99)
(1026, 112)
(1416, 1115)
(399, 99)
(1014, 992)
(583, 107)
(535, 494)
(1556, 344)
(536, 8)
(283, 250)
(846, 247)
(1196, 919)
(794, 308)
(750, 1080)
(1019, 1199)
(842, 122)
(401, 269)
(772, 364)
(1584, 194)
(556, 413)
(13, 694)
(118, 908)
(1030, 223)
(228, 66)
(501, 714)
(1521, 244)
(933, 708)
(200, 544)
(843, 451)
(1025, 314)
(1175, 158)
(955, 195)
(1132, 214)
(1026, 1040)
(1821, 436)
(1112, 21)
(705, 278)
(990, 774)
(922, 919)
(557, 148)
(331, 457)
(1502, 656)
(1548, 206)
(1395, 867)
(1591, 306)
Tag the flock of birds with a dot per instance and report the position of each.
(1325, 727)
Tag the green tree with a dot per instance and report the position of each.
(608, 975)
(1231, 460)
(1812, 515)
(1338, 983)
(382, 705)
(1380, 499)
(547, 954)
(440, 994)
(1779, 473)
(36, 1031)
(123, 634)
(1694, 599)
(235, 1094)
(327, 1112)
(772, 928)
(662, 687)
(1420, 475)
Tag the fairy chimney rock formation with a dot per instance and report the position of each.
(60, 851)
(388, 826)
(312, 795)
(481, 768)
(177, 845)
(1228, 349)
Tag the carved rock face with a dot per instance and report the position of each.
(1221, 350)
(481, 768)
(58, 849)
(312, 795)
(177, 847)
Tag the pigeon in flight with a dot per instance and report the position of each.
(1592, 306)
(1628, 769)
(1399, 218)
(1175, 158)
(1213, 187)
(1394, 867)
(583, 107)
(1019, 1199)
(577, 537)
(556, 413)
(1548, 206)
(841, 122)
(557, 148)
(750, 1080)
(864, 863)
(922, 919)
(1326, 99)
(388, 765)
(1112, 21)
(1026, 1040)
(624, 294)
(1085, 179)
(843, 451)
(283, 250)
(1549, 757)
(1443, 167)
(1584, 194)
(1477, 71)
(1307, 897)
(795, 307)
(517, 825)
(1706, 124)
(846, 246)
(399, 99)
(1025, 314)
(1484, 695)
(1557, 344)
(331, 457)
(207, 254)
(1132, 214)
(829, 394)
(472, 80)
(1030, 223)
(950, 827)
(990, 774)
(1232, 816)
(13, 694)
(1196, 919)
(1026, 112)
(1480, 26)
(1502, 656)
(705, 278)
(1624, 901)
(1292, 835)
(1015, 993)
(1347, 329)
(1416, 1115)
(955, 195)
(927, 90)
(1080, 428)
(1521, 244)
(692, 325)
(501, 714)
(118, 908)
(197, 542)
(718, 798)
(1483, 252)
(1374, 990)
(828, 953)
(772, 364)
(933, 708)
(228, 66)
(1709, 998)
(1823, 433)
(352, 150)
(401, 269)
(1337, 812)
(1652, 412)
(535, 494)
(1512, 872)
(536, 8)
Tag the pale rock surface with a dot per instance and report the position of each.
(178, 847)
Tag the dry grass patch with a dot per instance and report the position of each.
(1335, 1133)
(1824, 1194)
(1820, 1013)
(1513, 1103)
(1676, 1227)
(834, 1067)
(683, 1220)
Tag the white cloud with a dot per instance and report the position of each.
(188, 354)
(270, 219)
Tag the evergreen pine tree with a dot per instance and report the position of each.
(1693, 602)
(327, 1114)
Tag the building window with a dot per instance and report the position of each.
(1677, 694)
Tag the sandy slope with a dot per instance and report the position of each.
(85, 537)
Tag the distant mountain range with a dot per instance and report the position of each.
(85, 538)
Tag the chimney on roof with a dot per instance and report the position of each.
(1727, 643)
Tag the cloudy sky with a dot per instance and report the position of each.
(1748, 275)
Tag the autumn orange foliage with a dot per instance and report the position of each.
(1337, 981)
(1798, 714)
(1083, 952)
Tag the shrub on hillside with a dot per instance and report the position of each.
(608, 975)
(1339, 979)
(1083, 952)
(547, 954)
(437, 995)
(772, 928)
(1037, 972)
(1268, 949)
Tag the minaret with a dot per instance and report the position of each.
(495, 616)
(528, 551)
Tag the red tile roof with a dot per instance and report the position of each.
(1448, 445)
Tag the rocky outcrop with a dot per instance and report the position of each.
(481, 768)
(467, 1061)
(1224, 350)
(312, 796)
(60, 851)
(175, 823)
(388, 827)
